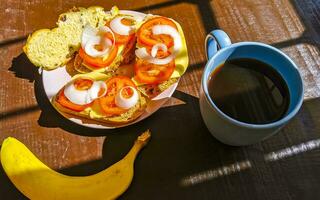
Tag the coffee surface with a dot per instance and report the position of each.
(249, 91)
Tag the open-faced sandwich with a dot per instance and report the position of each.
(107, 47)
(119, 60)
(161, 54)
(101, 97)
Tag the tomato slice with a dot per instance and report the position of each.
(109, 106)
(64, 101)
(146, 37)
(114, 85)
(121, 39)
(152, 74)
(98, 62)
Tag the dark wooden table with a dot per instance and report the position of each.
(182, 161)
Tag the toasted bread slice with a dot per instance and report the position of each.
(94, 112)
(181, 60)
(154, 90)
(181, 64)
(50, 49)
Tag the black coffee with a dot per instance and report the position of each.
(249, 91)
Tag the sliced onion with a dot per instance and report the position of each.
(92, 40)
(92, 51)
(144, 55)
(121, 29)
(106, 29)
(83, 97)
(157, 30)
(156, 48)
(138, 16)
(87, 34)
(127, 103)
(95, 90)
(169, 30)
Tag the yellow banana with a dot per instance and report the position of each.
(37, 181)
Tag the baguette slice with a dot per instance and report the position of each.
(181, 65)
(125, 54)
(50, 49)
(154, 90)
(95, 113)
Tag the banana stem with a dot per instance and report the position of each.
(141, 141)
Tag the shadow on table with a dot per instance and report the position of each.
(208, 17)
(310, 22)
(15, 40)
(24, 69)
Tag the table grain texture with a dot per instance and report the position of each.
(182, 161)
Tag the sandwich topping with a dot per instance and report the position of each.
(159, 42)
(143, 54)
(123, 28)
(120, 96)
(97, 50)
(125, 59)
(84, 91)
(127, 97)
(98, 62)
(123, 25)
(115, 96)
(100, 48)
(94, 41)
(80, 93)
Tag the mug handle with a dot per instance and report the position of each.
(216, 40)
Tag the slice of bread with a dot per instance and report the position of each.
(154, 90)
(181, 64)
(50, 49)
(94, 112)
(125, 55)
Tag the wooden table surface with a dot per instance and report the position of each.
(182, 161)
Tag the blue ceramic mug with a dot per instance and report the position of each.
(223, 127)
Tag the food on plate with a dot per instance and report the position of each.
(161, 55)
(153, 90)
(97, 40)
(126, 59)
(37, 181)
(105, 48)
(97, 96)
(50, 49)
